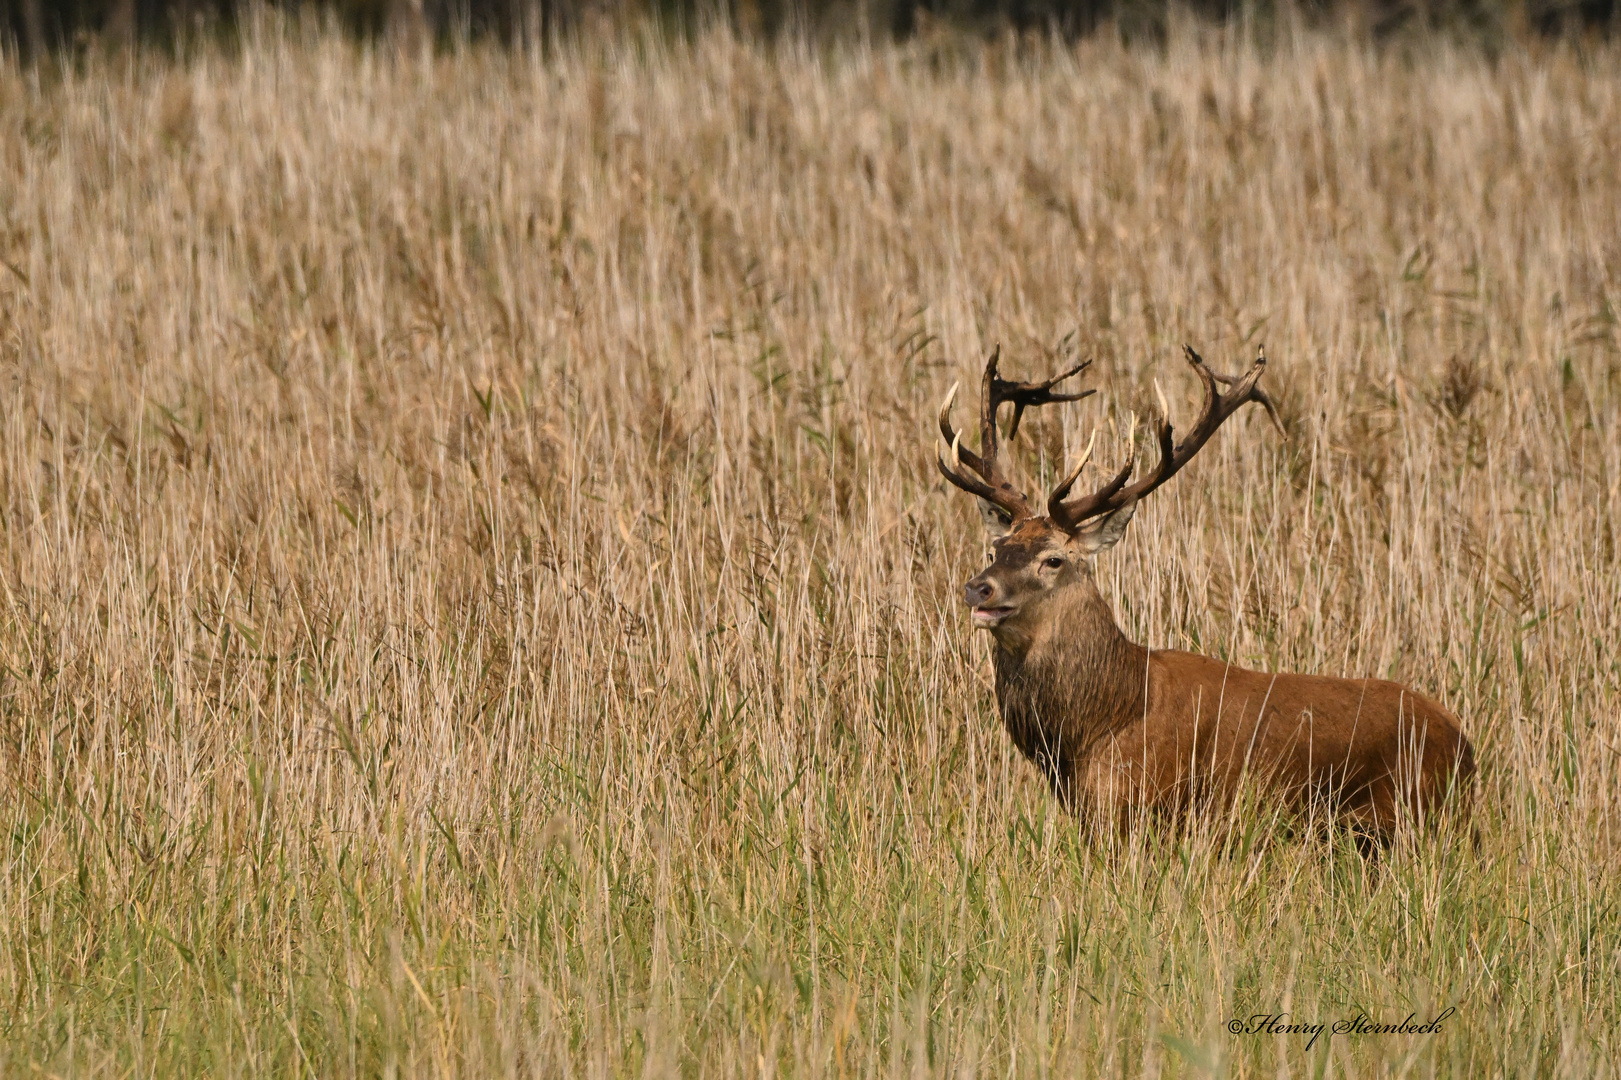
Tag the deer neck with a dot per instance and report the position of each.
(1069, 664)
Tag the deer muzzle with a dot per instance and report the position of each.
(980, 595)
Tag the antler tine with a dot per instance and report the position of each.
(1256, 393)
(950, 434)
(1172, 455)
(945, 410)
(1068, 517)
(1056, 499)
(972, 484)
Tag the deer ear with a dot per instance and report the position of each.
(997, 522)
(1106, 531)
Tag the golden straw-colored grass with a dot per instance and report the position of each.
(476, 599)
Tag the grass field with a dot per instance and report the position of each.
(475, 596)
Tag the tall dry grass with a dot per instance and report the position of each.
(475, 598)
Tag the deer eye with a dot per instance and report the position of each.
(1052, 561)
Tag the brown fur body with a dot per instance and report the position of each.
(1119, 729)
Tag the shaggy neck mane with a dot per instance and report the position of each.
(1065, 673)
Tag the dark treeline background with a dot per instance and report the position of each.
(32, 27)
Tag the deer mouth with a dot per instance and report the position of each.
(987, 617)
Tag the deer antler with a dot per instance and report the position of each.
(1172, 456)
(992, 484)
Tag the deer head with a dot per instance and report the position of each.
(1036, 557)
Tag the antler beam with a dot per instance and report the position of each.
(991, 484)
(1172, 455)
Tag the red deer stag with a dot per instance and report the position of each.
(1120, 729)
